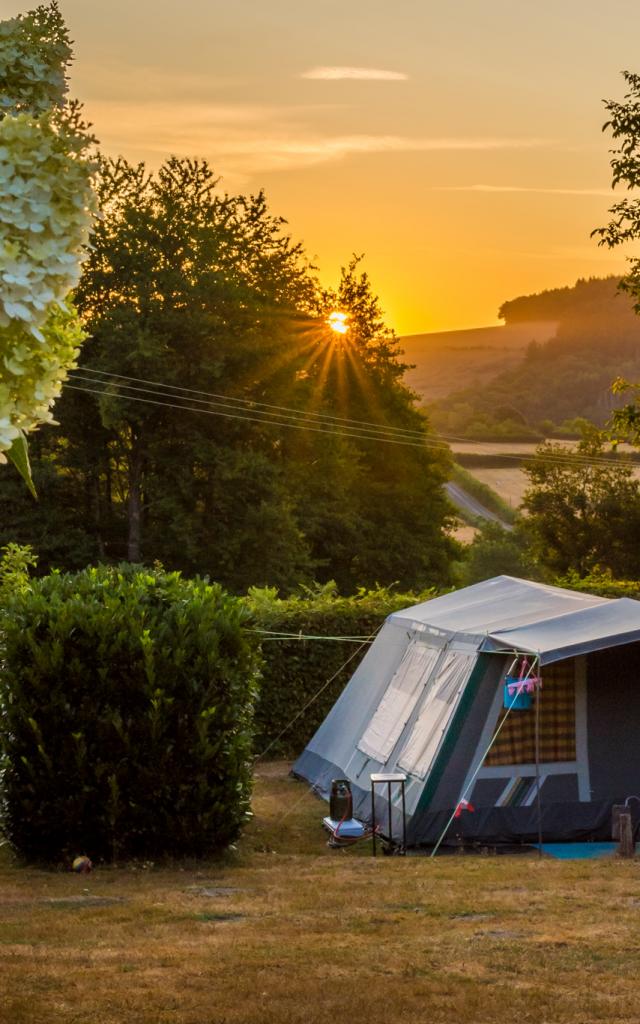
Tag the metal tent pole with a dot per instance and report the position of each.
(539, 810)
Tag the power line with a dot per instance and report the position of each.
(253, 404)
(251, 419)
(299, 419)
(297, 416)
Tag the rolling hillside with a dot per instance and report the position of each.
(448, 360)
(536, 374)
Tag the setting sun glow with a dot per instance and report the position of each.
(338, 322)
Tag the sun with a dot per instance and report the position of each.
(337, 321)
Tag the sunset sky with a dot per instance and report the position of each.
(457, 145)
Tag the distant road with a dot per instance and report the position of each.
(471, 505)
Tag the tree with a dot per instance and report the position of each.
(200, 292)
(226, 429)
(583, 510)
(624, 226)
(46, 209)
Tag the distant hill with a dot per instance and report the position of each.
(447, 360)
(533, 383)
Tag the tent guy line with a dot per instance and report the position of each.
(335, 675)
(470, 784)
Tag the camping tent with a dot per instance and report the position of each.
(428, 700)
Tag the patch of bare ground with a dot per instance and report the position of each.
(286, 931)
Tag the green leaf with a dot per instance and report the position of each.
(19, 455)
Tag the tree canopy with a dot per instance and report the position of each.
(583, 510)
(217, 423)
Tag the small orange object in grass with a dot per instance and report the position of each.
(82, 865)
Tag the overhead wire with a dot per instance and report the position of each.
(252, 419)
(253, 411)
(255, 404)
(296, 416)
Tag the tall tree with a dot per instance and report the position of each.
(197, 291)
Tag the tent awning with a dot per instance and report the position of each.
(609, 624)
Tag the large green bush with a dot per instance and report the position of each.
(295, 670)
(127, 700)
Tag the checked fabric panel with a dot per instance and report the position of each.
(516, 742)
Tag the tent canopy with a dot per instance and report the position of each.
(508, 614)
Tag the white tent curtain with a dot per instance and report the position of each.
(400, 698)
(440, 702)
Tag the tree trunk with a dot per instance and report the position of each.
(98, 516)
(134, 504)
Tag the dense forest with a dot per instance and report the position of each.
(216, 423)
(570, 376)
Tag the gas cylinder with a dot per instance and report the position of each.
(340, 800)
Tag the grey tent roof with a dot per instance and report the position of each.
(508, 614)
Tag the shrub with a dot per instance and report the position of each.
(127, 699)
(601, 583)
(15, 562)
(295, 670)
(495, 551)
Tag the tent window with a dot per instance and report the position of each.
(440, 702)
(516, 742)
(401, 696)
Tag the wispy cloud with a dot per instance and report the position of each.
(242, 140)
(525, 188)
(273, 152)
(337, 74)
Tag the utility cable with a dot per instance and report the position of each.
(297, 417)
(252, 419)
(303, 417)
(569, 460)
(254, 405)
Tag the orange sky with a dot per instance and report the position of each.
(457, 145)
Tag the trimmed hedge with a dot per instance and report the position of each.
(601, 584)
(295, 670)
(127, 700)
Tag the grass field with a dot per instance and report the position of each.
(287, 931)
(510, 483)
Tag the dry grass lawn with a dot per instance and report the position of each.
(289, 931)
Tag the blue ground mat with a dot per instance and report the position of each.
(578, 851)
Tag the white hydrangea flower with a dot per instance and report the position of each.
(47, 207)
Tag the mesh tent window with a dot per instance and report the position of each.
(400, 698)
(516, 743)
(441, 700)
